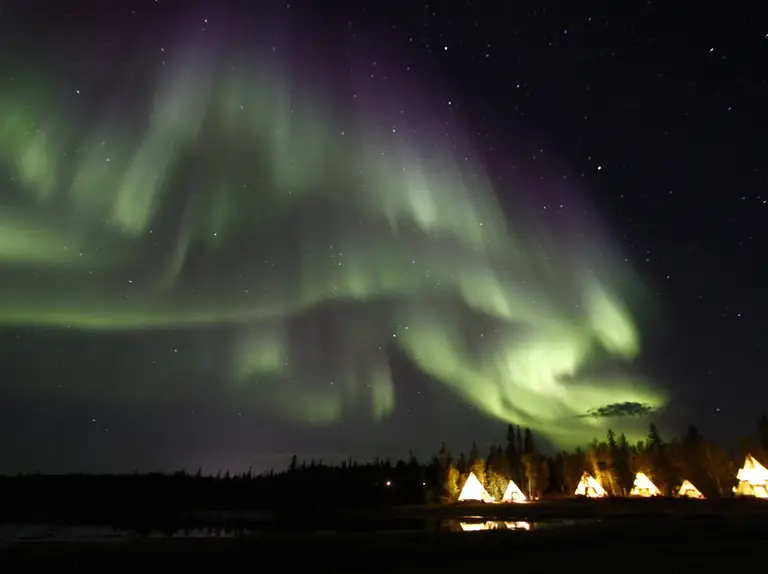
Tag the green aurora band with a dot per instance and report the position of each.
(236, 204)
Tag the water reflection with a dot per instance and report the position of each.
(481, 523)
(41, 533)
(203, 533)
(494, 525)
(15, 533)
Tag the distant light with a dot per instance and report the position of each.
(389, 483)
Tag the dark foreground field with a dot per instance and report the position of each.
(666, 536)
(612, 547)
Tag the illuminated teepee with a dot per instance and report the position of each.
(643, 487)
(473, 490)
(589, 487)
(753, 479)
(476, 526)
(687, 490)
(513, 493)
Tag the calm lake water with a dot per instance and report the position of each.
(41, 533)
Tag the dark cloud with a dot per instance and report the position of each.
(627, 409)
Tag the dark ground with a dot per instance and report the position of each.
(660, 535)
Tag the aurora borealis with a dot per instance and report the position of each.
(310, 236)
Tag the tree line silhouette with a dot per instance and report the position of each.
(313, 486)
(614, 461)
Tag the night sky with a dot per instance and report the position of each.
(235, 231)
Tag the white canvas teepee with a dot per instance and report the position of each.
(589, 487)
(513, 493)
(753, 479)
(687, 490)
(474, 490)
(476, 526)
(643, 487)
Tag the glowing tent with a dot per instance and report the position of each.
(753, 479)
(513, 493)
(473, 490)
(589, 487)
(687, 490)
(643, 487)
(476, 526)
